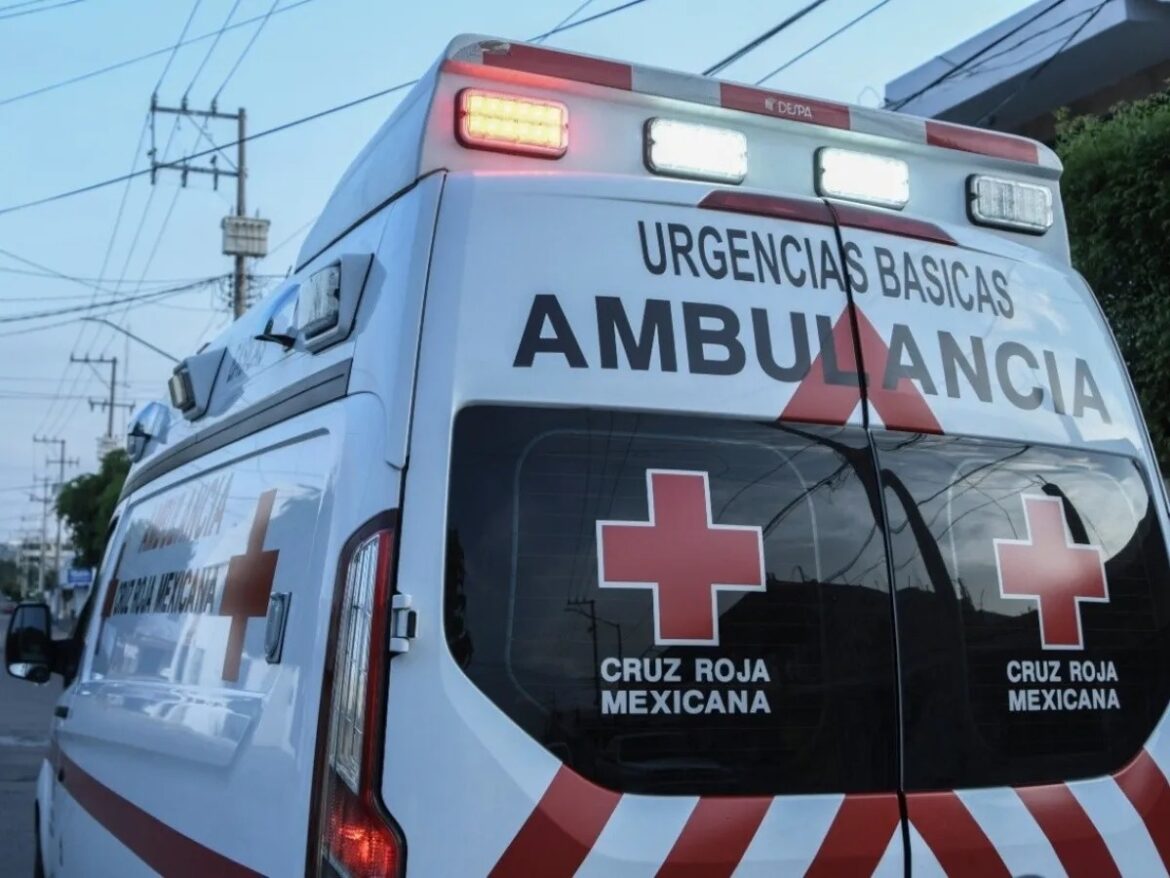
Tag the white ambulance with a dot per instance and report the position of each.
(640, 475)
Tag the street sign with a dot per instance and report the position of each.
(79, 577)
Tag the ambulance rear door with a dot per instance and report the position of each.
(654, 622)
(1026, 524)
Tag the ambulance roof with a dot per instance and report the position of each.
(417, 138)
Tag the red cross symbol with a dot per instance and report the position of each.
(248, 585)
(1049, 568)
(816, 400)
(682, 557)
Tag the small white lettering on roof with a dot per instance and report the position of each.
(788, 108)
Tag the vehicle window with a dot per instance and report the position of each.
(1033, 617)
(581, 598)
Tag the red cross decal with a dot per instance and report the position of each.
(681, 556)
(1049, 568)
(817, 400)
(248, 585)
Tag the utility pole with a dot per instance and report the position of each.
(243, 236)
(112, 362)
(61, 461)
(45, 499)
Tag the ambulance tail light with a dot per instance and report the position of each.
(863, 177)
(698, 152)
(355, 837)
(1009, 204)
(507, 123)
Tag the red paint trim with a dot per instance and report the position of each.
(816, 400)
(901, 408)
(715, 837)
(561, 830)
(164, 849)
(777, 105)
(982, 142)
(533, 59)
(858, 836)
(890, 223)
(956, 840)
(1146, 787)
(1077, 842)
(777, 207)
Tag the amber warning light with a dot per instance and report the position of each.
(506, 123)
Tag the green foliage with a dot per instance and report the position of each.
(9, 578)
(1116, 189)
(87, 503)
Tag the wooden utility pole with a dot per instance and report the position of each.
(243, 237)
(60, 462)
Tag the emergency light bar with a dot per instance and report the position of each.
(861, 176)
(1008, 204)
(506, 123)
(697, 152)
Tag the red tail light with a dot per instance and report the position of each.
(354, 837)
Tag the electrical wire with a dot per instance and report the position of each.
(990, 115)
(762, 38)
(822, 42)
(581, 7)
(211, 49)
(41, 9)
(966, 62)
(244, 53)
(175, 48)
(141, 297)
(139, 58)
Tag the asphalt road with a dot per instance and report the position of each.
(25, 712)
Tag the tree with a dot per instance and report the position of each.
(87, 503)
(1116, 188)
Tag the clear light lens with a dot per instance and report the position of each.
(319, 301)
(179, 385)
(701, 152)
(489, 120)
(1009, 204)
(860, 176)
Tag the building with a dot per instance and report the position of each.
(1093, 54)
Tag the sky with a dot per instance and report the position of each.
(316, 55)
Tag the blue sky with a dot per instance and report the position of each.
(314, 56)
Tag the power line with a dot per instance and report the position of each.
(41, 9)
(577, 10)
(244, 53)
(139, 58)
(943, 77)
(588, 20)
(989, 116)
(113, 305)
(175, 47)
(286, 125)
(20, 5)
(211, 49)
(821, 42)
(762, 38)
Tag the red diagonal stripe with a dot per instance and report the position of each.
(1075, 839)
(714, 838)
(560, 832)
(957, 841)
(816, 400)
(1145, 786)
(902, 407)
(165, 850)
(858, 836)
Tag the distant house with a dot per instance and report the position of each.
(1116, 50)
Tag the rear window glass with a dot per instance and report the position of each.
(1033, 619)
(676, 604)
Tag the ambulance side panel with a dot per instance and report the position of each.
(175, 757)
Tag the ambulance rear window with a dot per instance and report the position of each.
(1033, 610)
(676, 604)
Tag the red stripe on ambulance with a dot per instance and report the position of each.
(715, 837)
(1146, 787)
(982, 142)
(783, 106)
(954, 837)
(532, 59)
(858, 836)
(561, 830)
(1077, 842)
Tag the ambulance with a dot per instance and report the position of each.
(639, 475)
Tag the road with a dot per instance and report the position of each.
(25, 712)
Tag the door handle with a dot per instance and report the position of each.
(61, 711)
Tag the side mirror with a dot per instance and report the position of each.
(28, 648)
